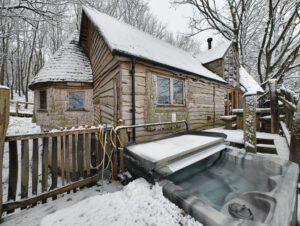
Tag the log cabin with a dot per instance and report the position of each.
(224, 61)
(113, 72)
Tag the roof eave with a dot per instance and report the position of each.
(35, 85)
(116, 52)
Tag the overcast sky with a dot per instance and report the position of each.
(176, 18)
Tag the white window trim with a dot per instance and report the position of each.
(171, 91)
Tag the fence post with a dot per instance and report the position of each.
(274, 106)
(4, 119)
(295, 137)
(122, 137)
(250, 123)
(17, 108)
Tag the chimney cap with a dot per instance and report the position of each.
(209, 41)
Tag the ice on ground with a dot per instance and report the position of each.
(138, 204)
(172, 147)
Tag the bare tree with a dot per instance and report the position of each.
(266, 33)
(31, 31)
(138, 14)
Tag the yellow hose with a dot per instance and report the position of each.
(102, 143)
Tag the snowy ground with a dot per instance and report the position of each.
(137, 204)
(22, 106)
(236, 136)
(33, 216)
(18, 125)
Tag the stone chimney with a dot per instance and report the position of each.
(209, 42)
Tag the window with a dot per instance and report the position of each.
(169, 91)
(163, 90)
(43, 100)
(177, 92)
(76, 100)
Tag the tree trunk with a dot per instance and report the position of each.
(29, 65)
(4, 118)
(295, 137)
(274, 106)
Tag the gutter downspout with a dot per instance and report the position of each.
(132, 72)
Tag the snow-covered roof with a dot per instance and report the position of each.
(3, 87)
(125, 39)
(68, 64)
(249, 83)
(215, 53)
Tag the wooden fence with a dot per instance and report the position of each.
(291, 127)
(64, 156)
(20, 113)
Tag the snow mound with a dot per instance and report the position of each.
(138, 204)
(3, 87)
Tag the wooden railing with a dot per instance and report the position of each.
(18, 112)
(63, 156)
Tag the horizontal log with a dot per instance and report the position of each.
(286, 132)
(21, 102)
(50, 134)
(288, 104)
(32, 201)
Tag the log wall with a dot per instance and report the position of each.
(112, 90)
(106, 73)
(203, 100)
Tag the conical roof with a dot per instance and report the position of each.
(68, 64)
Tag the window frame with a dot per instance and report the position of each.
(76, 109)
(40, 100)
(171, 88)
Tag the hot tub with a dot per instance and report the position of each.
(217, 185)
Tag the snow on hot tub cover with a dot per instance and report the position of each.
(126, 39)
(68, 64)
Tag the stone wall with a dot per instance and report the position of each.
(231, 72)
(57, 114)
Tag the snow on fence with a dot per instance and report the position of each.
(24, 112)
(291, 127)
(44, 165)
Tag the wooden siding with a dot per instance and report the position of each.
(106, 71)
(204, 99)
(216, 66)
(203, 104)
